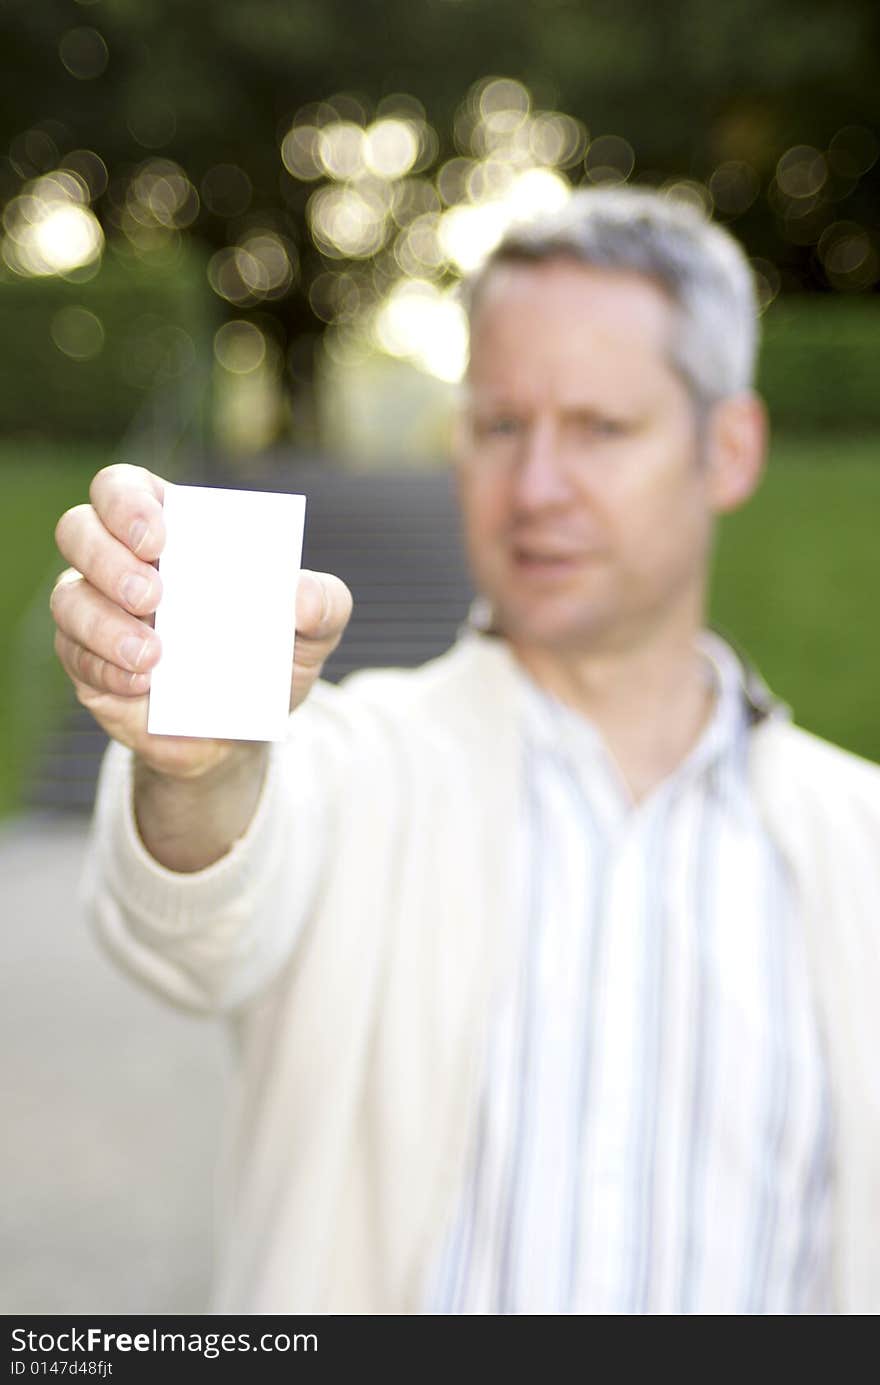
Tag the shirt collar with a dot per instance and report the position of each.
(742, 700)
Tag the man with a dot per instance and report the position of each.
(553, 965)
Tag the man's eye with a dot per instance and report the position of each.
(597, 426)
(501, 427)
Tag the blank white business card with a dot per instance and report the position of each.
(229, 569)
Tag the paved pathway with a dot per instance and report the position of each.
(110, 1104)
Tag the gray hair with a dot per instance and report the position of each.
(699, 264)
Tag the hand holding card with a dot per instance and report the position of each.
(229, 672)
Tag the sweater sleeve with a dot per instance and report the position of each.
(212, 939)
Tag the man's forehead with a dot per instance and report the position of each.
(520, 285)
(552, 319)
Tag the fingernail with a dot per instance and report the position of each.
(136, 535)
(133, 650)
(135, 589)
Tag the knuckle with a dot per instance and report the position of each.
(84, 694)
(105, 674)
(92, 628)
(308, 656)
(121, 476)
(81, 661)
(91, 668)
(118, 510)
(123, 493)
(111, 505)
(109, 475)
(71, 656)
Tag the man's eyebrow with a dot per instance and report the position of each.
(589, 411)
(492, 401)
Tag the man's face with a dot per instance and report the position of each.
(586, 507)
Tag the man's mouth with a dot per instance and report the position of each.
(547, 560)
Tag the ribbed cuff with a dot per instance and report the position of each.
(174, 901)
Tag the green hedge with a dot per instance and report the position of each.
(157, 320)
(818, 367)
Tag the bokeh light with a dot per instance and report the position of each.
(84, 52)
(157, 203)
(469, 234)
(734, 186)
(347, 222)
(91, 168)
(341, 149)
(557, 140)
(240, 347)
(262, 266)
(801, 171)
(421, 323)
(336, 298)
(300, 152)
(390, 148)
(33, 152)
(78, 333)
(609, 159)
(696, 195)
(249, 400)
(849, 256)
(385, 201)
(452, 180)
(50, 229)
(419, 250)
(161, 193)
(411, 198)
(392, 225)
(768, 281)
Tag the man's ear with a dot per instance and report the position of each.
(736, 450)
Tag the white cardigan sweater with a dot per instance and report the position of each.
(355, 935)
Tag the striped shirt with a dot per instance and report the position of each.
(654, 1129)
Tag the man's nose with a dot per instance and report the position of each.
(541, 478)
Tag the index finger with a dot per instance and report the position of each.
(128, 501)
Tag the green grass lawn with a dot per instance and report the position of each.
(796, 582)
(39, 482)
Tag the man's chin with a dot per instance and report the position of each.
(551, 629)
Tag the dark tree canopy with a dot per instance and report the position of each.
(768, 114)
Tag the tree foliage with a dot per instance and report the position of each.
(691, 88)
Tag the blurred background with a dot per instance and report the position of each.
(230, 245)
